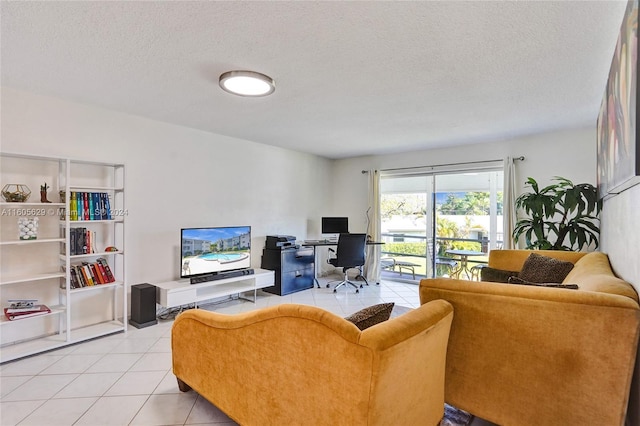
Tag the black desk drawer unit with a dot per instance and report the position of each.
(293, 269)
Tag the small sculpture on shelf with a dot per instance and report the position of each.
(43, 193)
(15, 193)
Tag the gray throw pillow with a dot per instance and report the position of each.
(371, 315)
(496, 275)
(544, 269)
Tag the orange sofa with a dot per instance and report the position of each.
(527, 355)
(297, 364)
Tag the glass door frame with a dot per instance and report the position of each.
(430, 236)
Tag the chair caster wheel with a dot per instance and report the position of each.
(357, 291)
(361, 286)
(327, 285)
(335, 291)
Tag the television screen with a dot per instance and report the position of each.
(214, 250)
(335, 225)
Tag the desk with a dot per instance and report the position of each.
(463, 256)
(325, 243)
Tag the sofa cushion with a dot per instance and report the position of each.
(371, 315)
(517, 280)
(496, 275)
(544, 269)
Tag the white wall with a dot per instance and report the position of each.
(620, 230)
(568, 153)
(175, 176)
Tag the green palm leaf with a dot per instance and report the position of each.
(558, 213)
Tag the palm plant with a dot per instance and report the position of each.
(559, 212)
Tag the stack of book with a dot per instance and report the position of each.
(24, 308)
(88, 274)
(89, 206)
(81, 241)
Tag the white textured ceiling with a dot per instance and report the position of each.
(353, 78)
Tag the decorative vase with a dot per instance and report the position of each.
(28, 228)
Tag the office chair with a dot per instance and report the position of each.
(349, 255)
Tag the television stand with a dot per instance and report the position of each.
(176, 293)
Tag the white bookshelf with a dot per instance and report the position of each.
(40, 268)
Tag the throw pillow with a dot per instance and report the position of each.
(371, 315)
(496, 275)
(516, 280)
(544, 269)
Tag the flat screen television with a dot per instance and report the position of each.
(335, 225)
(214, 250)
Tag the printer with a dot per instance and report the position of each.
(280, 242)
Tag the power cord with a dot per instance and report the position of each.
(171, 313)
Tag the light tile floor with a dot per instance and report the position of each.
(126, 378)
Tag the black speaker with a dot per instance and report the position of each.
(143, 305)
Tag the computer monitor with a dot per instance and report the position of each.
(335, 225)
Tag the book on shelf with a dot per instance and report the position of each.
(79, 277)
(79, 205)
(89, 206)
(97, 278)
(73, 277)
(86, 272)
(21, 305)
(16, 310)
(73, 204)
(102, 261)
(103, 205)
(107, 206)
(89, 274)
(102, 273)
(82, 241)
(85, 206)
(35, 311)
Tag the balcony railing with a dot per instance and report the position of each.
(412, 249)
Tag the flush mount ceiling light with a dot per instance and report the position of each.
(247, 83)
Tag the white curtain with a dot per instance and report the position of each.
(372, 264)
(509, 203)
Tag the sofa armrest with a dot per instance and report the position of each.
(516, 348)
(389, 333)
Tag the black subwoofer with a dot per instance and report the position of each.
(143, 305)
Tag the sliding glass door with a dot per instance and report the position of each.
(440, 223)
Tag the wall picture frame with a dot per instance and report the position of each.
(618, 137)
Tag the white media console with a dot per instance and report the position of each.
(175, 293)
